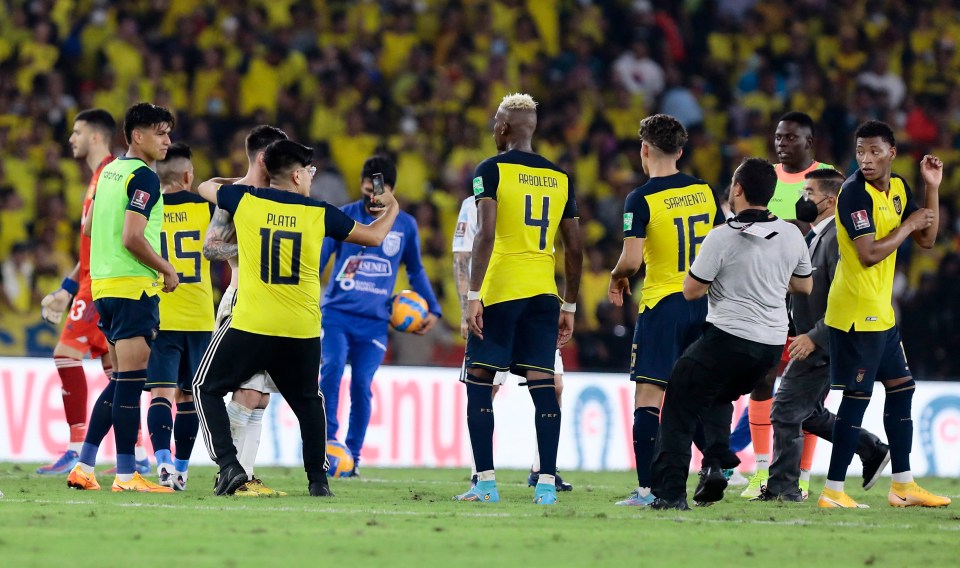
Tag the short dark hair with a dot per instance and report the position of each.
(283, 156)
(262, 136)
(145, 115)
(801, 118)
(165, 169)
(380, 164)
(758, 179)
(828, 180)
(875, 128)
(664, 132)
(100, 120)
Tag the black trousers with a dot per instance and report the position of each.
(294, 365)
(713, 372)
(798, 406)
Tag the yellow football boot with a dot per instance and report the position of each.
(140, 485)
(831, 499)
(912, 495)
(256, 488)
(78, 479)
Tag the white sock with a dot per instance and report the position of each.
(239, 416)
(644, 491)
(486, 475)
(75, 446)
(85, 468)
(903, 477)
(247, 455)
(547, 480)
(124, 477)
(140, 453)
(536, 461)
(804, 475)
(834, 485)
(763, 462)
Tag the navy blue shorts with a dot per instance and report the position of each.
(174, 358)
(518, 336)
(123, 318)
(859, 358)
(662, 334)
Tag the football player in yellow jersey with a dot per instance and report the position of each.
(186, 318)
(876, 213)
(249, 402)
(515, 316)
(664, 222)
(275, 324)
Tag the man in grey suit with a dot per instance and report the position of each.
(798, 405)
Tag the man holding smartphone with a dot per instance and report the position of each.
(356, 303)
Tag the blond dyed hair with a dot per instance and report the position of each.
(518, 101)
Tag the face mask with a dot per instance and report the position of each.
(808, 211)
(367, 202)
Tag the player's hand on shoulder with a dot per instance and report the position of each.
(618, 286)
(53, 305)
(427, 325)
(566, 328)
(931, 168)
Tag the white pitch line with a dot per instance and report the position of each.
(539, 515)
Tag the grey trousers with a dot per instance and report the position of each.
(798, 406)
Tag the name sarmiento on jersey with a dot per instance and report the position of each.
(281, 220)
(685, 200)
(539, 181)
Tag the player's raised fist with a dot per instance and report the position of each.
(931, 168)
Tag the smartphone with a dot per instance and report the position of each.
(377, 184)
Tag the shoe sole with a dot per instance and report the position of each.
(80, 487)
(711, 491)
(234, 484)
(904, 506)
(869, 483)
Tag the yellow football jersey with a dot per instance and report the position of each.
(532, 196)
(185, 220)
(861, 298)
(673, 214)
(280, 235)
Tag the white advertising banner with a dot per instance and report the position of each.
(419, 420)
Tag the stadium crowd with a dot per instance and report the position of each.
(417, 79)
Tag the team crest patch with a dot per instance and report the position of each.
(860, 375)
(897, 204)
(627, 221)
(140, 199)
(477, 185)
(391, 244)
(860, 219)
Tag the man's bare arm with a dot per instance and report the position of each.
(220, 240)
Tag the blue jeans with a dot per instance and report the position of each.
(362, 342)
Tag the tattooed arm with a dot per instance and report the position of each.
(461, 275)
(220, 241)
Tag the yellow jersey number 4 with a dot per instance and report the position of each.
(543, 222)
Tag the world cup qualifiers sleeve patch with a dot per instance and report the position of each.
(860, 219)
(461, 229)
(140, 199)
(478, 185)
(627, 221)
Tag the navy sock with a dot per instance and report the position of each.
(480, 420)
(160, 426)
(898, 423)
(101, 419)
(126, 414)
(646, 423)
(185, 430)
(846, 433)
(547, 421)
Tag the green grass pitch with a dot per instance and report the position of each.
(405, 517)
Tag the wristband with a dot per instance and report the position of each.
(565, 307)
(471, 295)
(70, 285)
